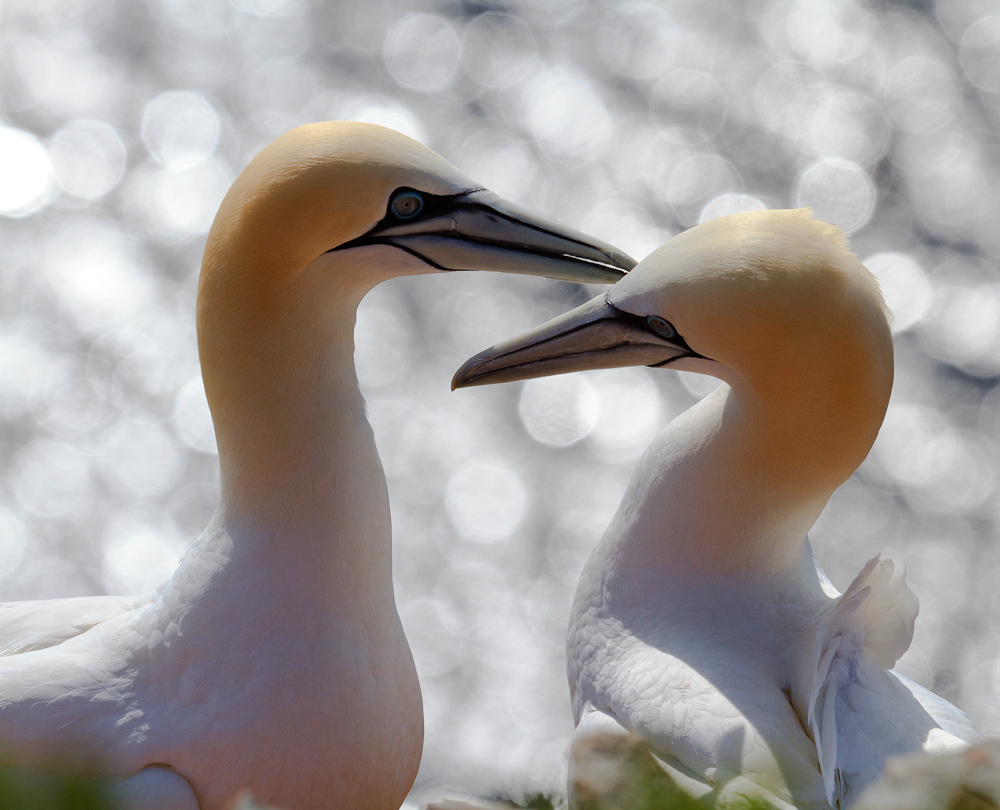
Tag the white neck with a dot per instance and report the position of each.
(325, 501)
(302, 484)
(732, 486)
(696, 503)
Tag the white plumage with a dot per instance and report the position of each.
(702, 621)
(273, 659)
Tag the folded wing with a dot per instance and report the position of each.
(28, 626)
(857, 710)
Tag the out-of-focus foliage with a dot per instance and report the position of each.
(969, 780)
(122, 122)
(613, 772)
(20, 790)
(538, 801)
(25, 790)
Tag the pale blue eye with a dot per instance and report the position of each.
(661, 326)
(407, 204)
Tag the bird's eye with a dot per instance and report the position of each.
(407, 204)
(661, 326)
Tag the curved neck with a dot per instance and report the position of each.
(298, 462)
(732, 486)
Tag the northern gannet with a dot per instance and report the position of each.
(273, 659)
(702, 621)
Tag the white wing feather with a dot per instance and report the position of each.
(725, 732)
(27, 626)
(857, 710)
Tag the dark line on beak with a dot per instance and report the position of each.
(441, 205)
(533, 226)
(409, 250)
(669, 361)
(640, 323)
(561, 335)
(458, 237)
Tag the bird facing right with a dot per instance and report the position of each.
(702, 621)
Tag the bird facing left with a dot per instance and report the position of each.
(274, 659)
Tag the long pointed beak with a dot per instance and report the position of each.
(478, 230)
(594, 335)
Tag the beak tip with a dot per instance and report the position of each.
(619, 263)
(469, 374)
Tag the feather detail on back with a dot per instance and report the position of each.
(855, 709)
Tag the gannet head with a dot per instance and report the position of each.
(316, 220)
(380, 199)
(771, 302)
(733, 297)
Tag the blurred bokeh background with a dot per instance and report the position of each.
(123, 123)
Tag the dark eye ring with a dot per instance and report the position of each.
(407, 204)
(661, 326)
